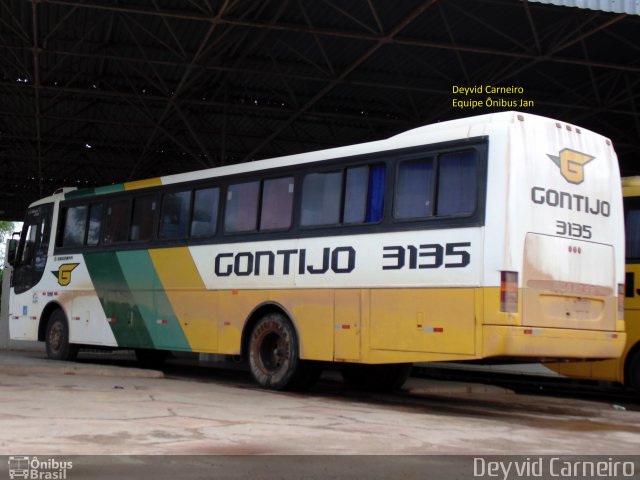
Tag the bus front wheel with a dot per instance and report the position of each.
(274, 356)
(57, 338)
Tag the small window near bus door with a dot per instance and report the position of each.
(77, 232)
(95, 217)
(74, 226)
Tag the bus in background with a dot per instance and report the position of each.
(498, 236)
(626, 369)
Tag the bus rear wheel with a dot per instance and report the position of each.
(376, 378)
(274, 356)
(57, 338)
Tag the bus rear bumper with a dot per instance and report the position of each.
(532, 342)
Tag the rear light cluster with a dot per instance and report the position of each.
(509, 292)
(621, 293)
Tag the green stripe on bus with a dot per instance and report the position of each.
(119, 187)
(84, 192)
(152, 301)
(117, 301)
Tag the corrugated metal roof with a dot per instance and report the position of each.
(631, 7)
(113, 90)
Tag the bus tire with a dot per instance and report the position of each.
(633, 371)
(274, 356)
(57, 338)
(376, 378)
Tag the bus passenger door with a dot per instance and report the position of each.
(347, 325)
(33, 249)
(31, 259)
(632, 292)
(632, 267)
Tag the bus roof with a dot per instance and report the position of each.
(433, 133)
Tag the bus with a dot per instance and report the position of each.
(625, 369)
(495, 236)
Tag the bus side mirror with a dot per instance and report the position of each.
(12, 247)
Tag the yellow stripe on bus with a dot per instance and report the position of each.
(194, 306)
(149, 182)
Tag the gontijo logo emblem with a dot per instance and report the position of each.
(64, 273)
(571, 163)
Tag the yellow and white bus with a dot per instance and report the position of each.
(497, 236)
(626, 368)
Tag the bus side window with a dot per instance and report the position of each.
(321, 197)
(74, 226)
(241, 210)
(414, 189)
(205, 212)
(277, 204)
(174, 214)
(457, 183)
(116, 225)
(30, 244)
(142, 221)
(364, 194)
(632, 230)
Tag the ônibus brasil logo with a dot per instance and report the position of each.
(571, 164)
(32, 468)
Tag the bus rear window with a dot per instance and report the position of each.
(442, 186)
(457, 183)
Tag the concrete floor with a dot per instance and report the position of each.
(55, 408)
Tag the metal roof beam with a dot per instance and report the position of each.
(92, 93)
(36, 85)
(347, 71)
